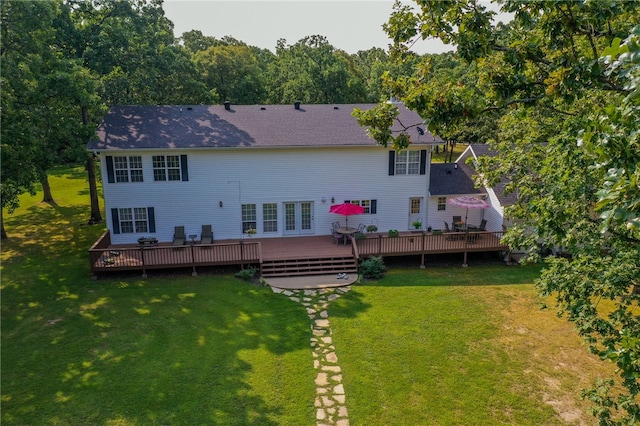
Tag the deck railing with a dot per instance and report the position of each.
(425, 243)
(104, 258)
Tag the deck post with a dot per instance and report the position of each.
(464, 262)
(379, 244)
(193, 262)
(423, 250)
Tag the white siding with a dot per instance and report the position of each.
(266, 176)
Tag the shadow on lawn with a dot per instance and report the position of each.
(168, 350)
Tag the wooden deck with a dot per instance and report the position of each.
(281, 256)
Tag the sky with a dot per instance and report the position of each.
(351, 25)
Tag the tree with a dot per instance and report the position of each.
(232, 73)
(562, 88)
(311, 71)
(131, 47)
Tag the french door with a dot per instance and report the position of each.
(298, 218)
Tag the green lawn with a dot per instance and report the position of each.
(439, 346)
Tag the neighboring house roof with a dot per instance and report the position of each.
(447, 179)
(480, 150)
(239, 126)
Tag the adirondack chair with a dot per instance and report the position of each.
(206, 236)
(179, 236)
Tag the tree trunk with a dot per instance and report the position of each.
(46, 188)
(96, 216)
(3, 233)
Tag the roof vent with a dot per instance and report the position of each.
(335, 107)
(189, 108)
(296, 104)
(227, 105)
(262, 108)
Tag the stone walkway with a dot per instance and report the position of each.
(331, 409)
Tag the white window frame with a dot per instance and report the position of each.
(270, 217)
(127, 168)
(133, 220)
(442, 204)
(249, 217)
(166, 168)
(407, 163)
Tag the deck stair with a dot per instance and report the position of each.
(308, 266)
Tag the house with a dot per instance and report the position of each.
(275, 169)
(457, 179)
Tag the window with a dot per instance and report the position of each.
(127, 169)
(133, 220)
(248, 217)
(442, 203)
(270, 217)
(370, 206)
(166, 167)
(407, 163)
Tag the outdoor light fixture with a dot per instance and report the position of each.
(220, 203)
(333, 200)
(455, 166)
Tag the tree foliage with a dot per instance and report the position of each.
(558, 85)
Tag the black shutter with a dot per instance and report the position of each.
(423, 161)
(374, 207)
(152, 219)
(110, 174)
(185, 169)
(115, 220)
(392, 163)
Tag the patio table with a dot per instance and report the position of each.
(346, 232)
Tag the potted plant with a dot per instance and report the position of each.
(250, 232)
(417, 224)
(372, 228)
(393, 233)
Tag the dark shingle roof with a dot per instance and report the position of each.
(212, 126)
(446, 179)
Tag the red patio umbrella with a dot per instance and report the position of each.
(467, 202)
(346, 210)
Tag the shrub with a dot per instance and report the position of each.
(246, 274)
(372, 268)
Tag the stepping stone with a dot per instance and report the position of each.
(322, 323)
(338, 390)
(333, 368)
(321, 379)
(342, 411)
(332, 358)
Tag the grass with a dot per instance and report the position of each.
(439, 157)
(439, 346)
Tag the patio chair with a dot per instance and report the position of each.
(179, 236)
(206, 237)
(483, 225)
(448, 231)
(361, 228)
